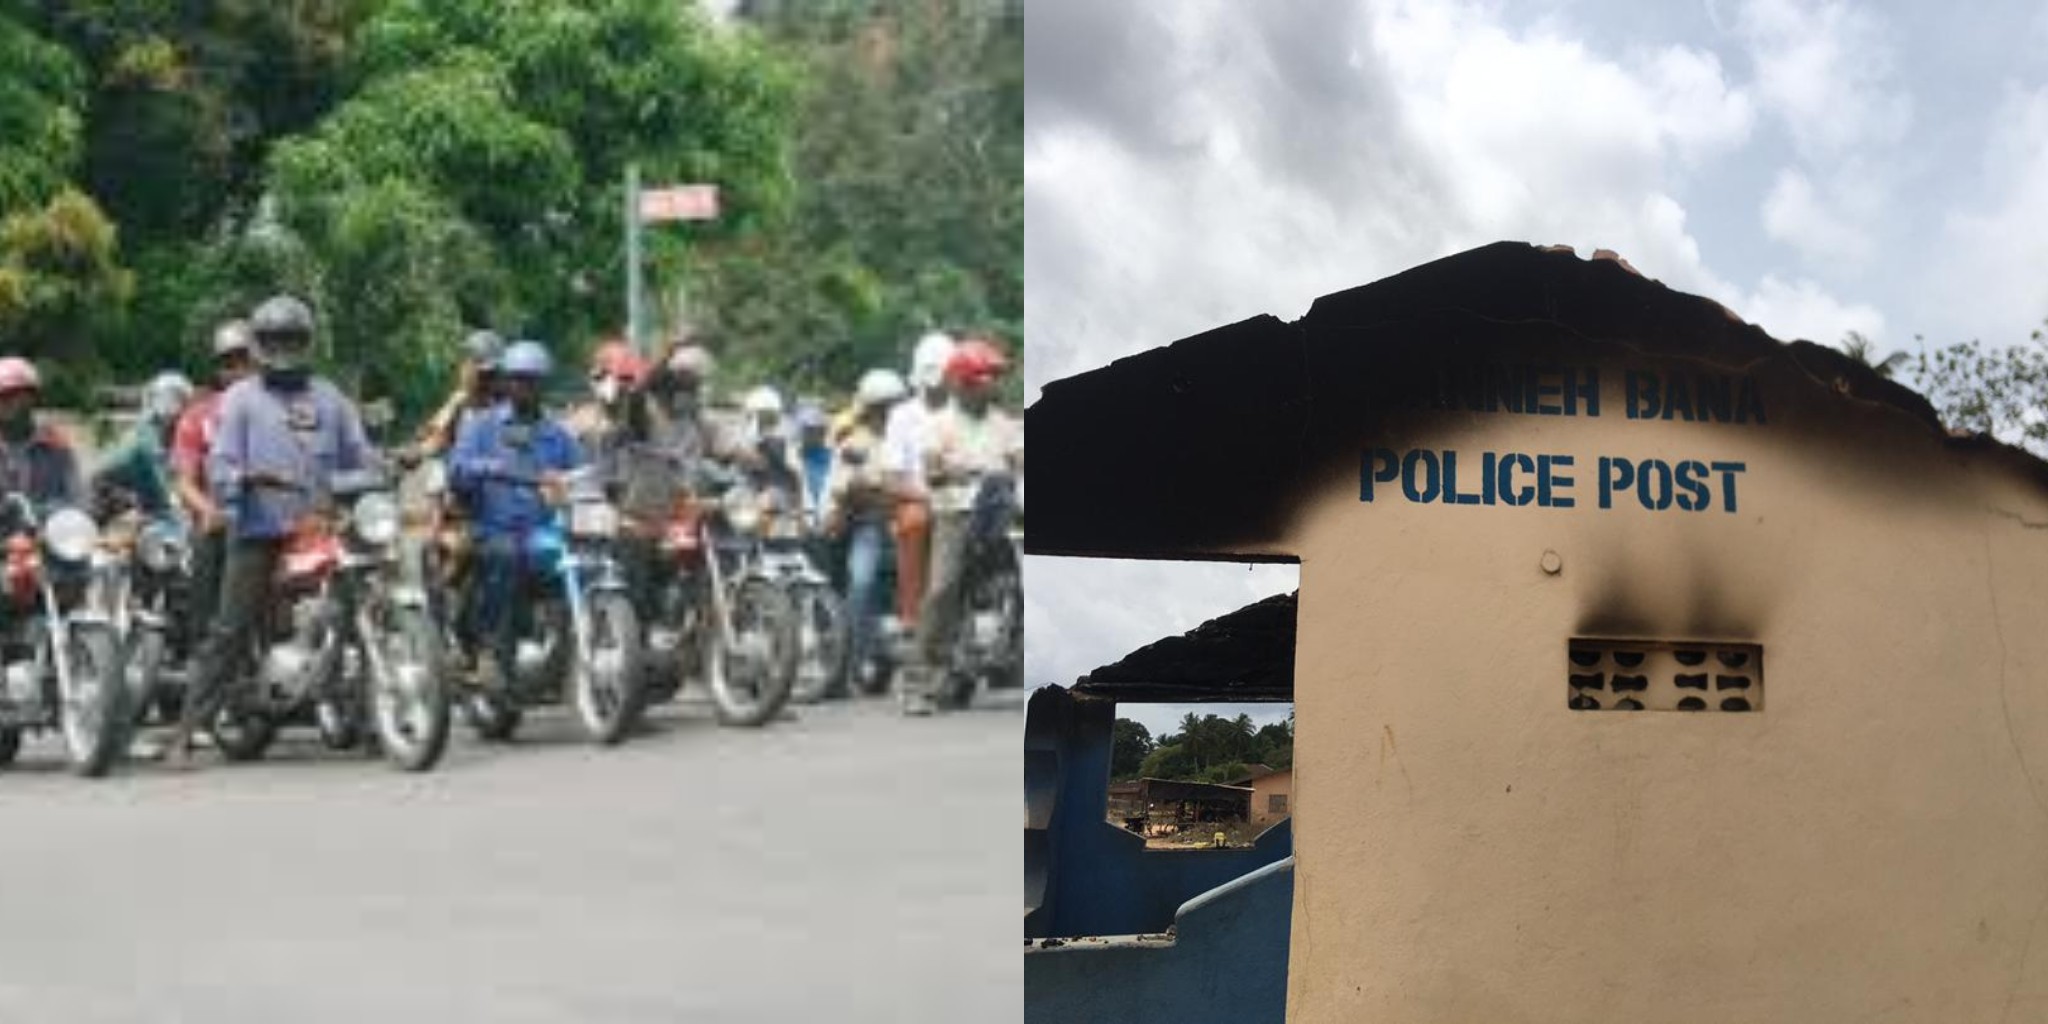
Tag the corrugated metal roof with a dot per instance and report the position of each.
(1247, 655)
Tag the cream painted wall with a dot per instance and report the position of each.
(1872, 845)
(1264, 789)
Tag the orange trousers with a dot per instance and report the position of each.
(913, 532)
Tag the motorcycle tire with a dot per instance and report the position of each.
(97, 727)
(493, 718)
(824, 637)
(876, 678)
(242, 735)
(340, 727)
(764, 621)
(143, 668)
(412, 656)
(609, 713)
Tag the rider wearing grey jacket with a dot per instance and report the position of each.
(282, 436)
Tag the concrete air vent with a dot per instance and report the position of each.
(1639, 675)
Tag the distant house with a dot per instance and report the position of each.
(1272, 793)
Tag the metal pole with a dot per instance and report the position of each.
(634, 286)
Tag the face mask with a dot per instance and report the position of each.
(606, 389)
(19, 425)
(286, 378)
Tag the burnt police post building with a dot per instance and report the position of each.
(1646, 667)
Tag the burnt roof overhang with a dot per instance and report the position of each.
(1198, 449)
(1247, 655)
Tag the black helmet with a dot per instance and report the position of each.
(484, 348)
(281, 314)
(283, 326)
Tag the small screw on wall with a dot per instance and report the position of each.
(1552, 564)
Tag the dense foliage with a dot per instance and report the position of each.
(1209, 748)
(418, 167)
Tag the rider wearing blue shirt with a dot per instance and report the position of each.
(281, 438)
(504, 460)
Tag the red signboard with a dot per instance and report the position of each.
(679, 202)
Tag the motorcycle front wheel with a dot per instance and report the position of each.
(823, 637)
(142, 670)
(609, 687)
(409, 697)
(95, 714)
(751, 679)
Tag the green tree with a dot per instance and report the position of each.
(1132, 743)
(910, 215)
(41, 96)
(60, 278)
(650, 82)
(1998, 391)
(1170, 761)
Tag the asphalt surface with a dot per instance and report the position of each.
(850, 865)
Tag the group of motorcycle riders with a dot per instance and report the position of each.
(242, 467)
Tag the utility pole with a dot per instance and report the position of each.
(634, 286)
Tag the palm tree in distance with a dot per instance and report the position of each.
(1861, 349)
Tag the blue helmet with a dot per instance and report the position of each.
(526, 359)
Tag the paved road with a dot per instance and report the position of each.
(849, 866)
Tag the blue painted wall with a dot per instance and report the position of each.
(1084, 875)
(1226, 962)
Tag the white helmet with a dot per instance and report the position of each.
(881, 387)
(165, 395)
(928, 360)
(764, 400)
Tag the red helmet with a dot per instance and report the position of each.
(617, 359)
(18, 374)
(975, 362)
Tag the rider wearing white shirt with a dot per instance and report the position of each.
(904, 441)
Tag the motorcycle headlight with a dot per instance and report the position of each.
(742, 510)
(160, 547)
(376, 518)
(593, 519)
(70, 534)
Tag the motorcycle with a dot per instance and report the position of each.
(582, 632)
(720, 615)
(988, 646)
(150, 603)
(61, 653)
(346, 643)
(786, 555)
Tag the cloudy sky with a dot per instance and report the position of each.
(1817, 167)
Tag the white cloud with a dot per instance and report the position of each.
(1802, 309)
(1828, 231)
(1269, 159)
(1826, 70)
(1083, 613)
(1990, 271)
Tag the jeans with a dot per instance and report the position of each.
(864, 543)
(244, 596)
(503, 585)
(209, 563)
